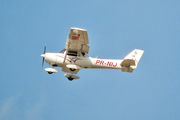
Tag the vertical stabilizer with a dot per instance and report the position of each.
(131, 60)
(135, 55)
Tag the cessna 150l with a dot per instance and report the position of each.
(75, 57)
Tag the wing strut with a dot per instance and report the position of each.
(66, 53)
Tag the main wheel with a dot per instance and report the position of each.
(70, 78)
(72, 69)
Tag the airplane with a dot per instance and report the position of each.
(74, 57)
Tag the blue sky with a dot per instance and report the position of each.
(114, 28)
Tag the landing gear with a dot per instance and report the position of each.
(50, 72)
(72, 69)
(71, 77)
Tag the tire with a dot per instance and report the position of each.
(70, 78)
(72, 69)
(49, 72)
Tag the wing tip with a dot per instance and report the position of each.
(78, 28)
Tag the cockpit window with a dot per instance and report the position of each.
(74, 53)
(63, 51)
(85, 54)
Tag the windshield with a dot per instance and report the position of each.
(63, 51)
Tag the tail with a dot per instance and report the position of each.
(131, 61)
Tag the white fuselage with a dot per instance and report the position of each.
(74, 57)
(57, 59)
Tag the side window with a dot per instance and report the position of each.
(72, 53)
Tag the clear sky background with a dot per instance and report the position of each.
(115, 28)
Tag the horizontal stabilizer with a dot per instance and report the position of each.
(128, 69)
(128, 63)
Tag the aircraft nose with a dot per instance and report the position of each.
(43, 55)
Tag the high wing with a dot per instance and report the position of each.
(77, 40)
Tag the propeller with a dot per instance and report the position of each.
(43, 55)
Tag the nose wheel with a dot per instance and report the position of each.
(49, 72)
